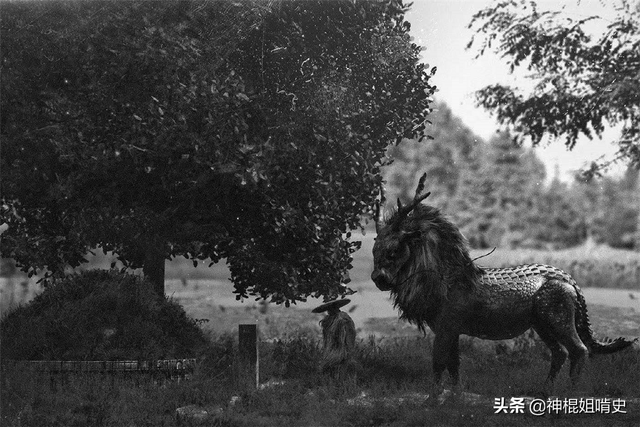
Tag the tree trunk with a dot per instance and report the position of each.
(153, 268)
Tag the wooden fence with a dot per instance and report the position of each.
(247, 368)
(169, 367)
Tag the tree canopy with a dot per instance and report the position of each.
(249, 131)
(583, 81)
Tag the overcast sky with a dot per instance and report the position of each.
(441, 27)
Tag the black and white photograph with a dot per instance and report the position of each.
(319, 213)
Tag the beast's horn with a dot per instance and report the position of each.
(420, 188)
(417, 199)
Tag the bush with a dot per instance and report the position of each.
(295, 357)
(99, 315)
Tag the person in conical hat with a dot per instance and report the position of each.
(339, 338)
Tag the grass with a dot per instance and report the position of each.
(387, 368)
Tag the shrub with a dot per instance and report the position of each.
(295, 357)
(103, 315)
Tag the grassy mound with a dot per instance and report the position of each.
(99, 315)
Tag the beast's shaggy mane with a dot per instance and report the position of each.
(439, 261)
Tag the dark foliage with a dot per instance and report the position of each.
(250, 131)
(99, 315)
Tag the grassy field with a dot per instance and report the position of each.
(392, 377)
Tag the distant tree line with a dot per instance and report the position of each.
(499, 194)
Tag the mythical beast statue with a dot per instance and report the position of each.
(423, 260)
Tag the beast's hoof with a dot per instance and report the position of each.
(439, 397)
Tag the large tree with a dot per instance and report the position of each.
(249, 131)
(583, 79)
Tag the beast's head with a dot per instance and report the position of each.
(392, 251)
(391, 254)
(418, 249)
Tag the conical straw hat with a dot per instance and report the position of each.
(331, 304)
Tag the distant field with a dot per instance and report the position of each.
(598, 266)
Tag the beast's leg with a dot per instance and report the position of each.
(578, 353)
(445, 356)
(453, 366)
(555, 315)
(558, 357)
(453, 363)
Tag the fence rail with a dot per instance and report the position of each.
(169, 366)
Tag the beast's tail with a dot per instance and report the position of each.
(609, 345)
(583, 326)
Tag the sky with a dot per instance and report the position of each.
(440, 26)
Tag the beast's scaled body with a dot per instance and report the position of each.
(508, 300)
(423, 260)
